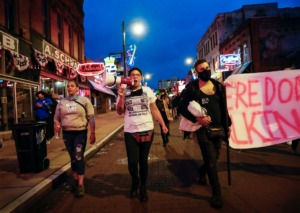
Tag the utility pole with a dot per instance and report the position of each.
(124, 49)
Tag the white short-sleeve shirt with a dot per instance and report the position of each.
(138, 117)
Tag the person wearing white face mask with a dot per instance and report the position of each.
(210, 94)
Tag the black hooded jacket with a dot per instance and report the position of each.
(190, 93)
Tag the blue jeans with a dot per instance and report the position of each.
(75, 142)
(210, 150)
(137, 154)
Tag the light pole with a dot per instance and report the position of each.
(124, 49)
(138, 28)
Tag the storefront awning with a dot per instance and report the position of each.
(242, 68)
(101, 88)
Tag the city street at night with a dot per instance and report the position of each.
(78, 77)
(262, 180)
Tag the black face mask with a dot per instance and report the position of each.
(204, 75)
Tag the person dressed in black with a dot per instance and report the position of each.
(210, 94)
(163, 105)
(176, 101)
(52, 96)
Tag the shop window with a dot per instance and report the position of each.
(15, 108)
(6, 105)
(25, 95)
(59, 88)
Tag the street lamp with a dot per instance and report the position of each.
(146, 77)
(138, 29)
(189, 61)
(124, 49)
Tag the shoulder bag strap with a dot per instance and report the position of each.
(84, 110)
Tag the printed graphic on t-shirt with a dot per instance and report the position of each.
(71, 107)
(137, 105)
(204, 101)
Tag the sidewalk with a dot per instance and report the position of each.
(19, 190)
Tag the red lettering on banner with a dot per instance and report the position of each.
(252, 94)
(268, 124)
(246, 95)
(297, 88)
(240, 93)
(280, 120)
(264, 108)
(251, 127)
(284, 91)
(280, 90)
(269, 81)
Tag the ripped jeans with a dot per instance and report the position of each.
(75, 142)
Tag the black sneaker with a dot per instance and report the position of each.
(134, 188)
(202, 176)
(202, 180)
(74, 186)
(143, 194)
(167, 139)
(80, 191)
(216, 201)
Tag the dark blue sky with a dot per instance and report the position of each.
(173, 30)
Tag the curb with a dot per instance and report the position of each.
(40, 190)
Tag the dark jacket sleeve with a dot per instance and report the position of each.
(223, 103)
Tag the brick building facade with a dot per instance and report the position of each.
(245, 32)
(41, 44)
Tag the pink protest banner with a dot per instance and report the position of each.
(264, 108)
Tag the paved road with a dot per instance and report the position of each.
(263, 180)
